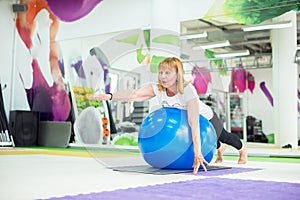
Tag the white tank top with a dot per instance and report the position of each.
(180, 100)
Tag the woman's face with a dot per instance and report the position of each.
(167, 77)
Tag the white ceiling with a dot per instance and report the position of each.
(257, 42)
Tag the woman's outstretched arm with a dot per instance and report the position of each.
(141, 94)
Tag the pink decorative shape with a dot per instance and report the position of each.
(201, 80)
(52, 100)
(238, 80)
(266, 92)
(251, 81)
(73, 10)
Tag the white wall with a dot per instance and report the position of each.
(193, 9)
(119, 15)
(109, 16)
(258, 104)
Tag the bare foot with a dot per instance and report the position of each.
(220, 150)
(243, 156)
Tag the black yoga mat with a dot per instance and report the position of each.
(146, 169)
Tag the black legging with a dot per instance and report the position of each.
(223, 135)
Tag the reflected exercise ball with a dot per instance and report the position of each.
(165, 139)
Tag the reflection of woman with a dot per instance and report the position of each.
(173, 91)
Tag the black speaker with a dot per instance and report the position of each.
(19, 8)
(24, 127)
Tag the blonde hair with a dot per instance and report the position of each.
(173, 64)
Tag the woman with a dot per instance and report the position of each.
(173, 91)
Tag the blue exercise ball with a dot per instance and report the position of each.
(165, 139)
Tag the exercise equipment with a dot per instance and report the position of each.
(24, 127)
(106, 131)
(6, 138)
(165, 139)
(88, 128)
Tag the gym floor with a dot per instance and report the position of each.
(85, 173)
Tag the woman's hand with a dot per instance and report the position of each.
(199, 161)
(100, 97)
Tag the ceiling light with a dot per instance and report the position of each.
(232, 54)
(194, 36)
(211, 45)
(274, 25)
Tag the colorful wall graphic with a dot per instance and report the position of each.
(248, 12)
(68, 11)
(37, 28)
